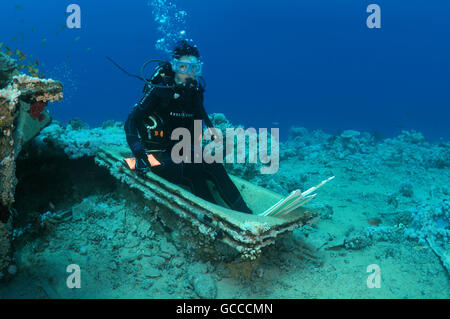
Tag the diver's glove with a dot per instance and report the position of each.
(142, 164)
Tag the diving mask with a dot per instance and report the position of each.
(193, 67)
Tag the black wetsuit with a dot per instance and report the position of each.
(178, 107)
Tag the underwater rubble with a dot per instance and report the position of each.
(22, 115)
(390, 203)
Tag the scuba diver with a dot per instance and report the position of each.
(173, 98)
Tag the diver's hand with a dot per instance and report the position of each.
(142, 164)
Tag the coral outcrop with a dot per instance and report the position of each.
(77, 140)
(17, 126)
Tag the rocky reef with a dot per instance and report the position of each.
(389, 205)
(22, 116)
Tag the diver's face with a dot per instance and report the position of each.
(182, 77)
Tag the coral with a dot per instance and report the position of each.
(438, 157)
(17, 127)
(349, 134)
(77, 140)
(382, 233)
(406, 189)
(372, 234)
(430, 222)
(248, 171)
(219, 119)
(40, 90)
(8, 103)
(77, 124)
(410, 148)
(20, 87)
(357, 242)
(8, 181)
(412, 137)
(350, 141)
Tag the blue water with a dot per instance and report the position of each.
(307, 63)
